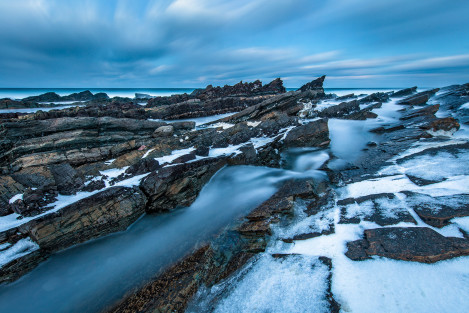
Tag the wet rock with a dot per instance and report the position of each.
(426, 111)
(375, 97)
(313, 134)
(111, 210)
(187, 125)
(340, 110)
(184, 158)
(417, 244)
(446, 124)
(346, 97)
(16, 268)
(420, 98)
(403, 92)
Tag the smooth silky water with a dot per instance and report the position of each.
(92, 276)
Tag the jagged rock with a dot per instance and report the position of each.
(417, 244)
(202, 150)
(313, 134)
(108, 211)
(403, 92)
(143, 166)
(340, 110)
(447, 124)
(16, 268)
(67, 179)
(8, 188)
(419, 98)
(94, 185)
(426, 111)
(375, 97)
(179, 185)
(35, 200)
(315, 85)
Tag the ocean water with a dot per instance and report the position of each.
(20, 93)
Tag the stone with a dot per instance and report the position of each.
(67, 179)
(416, 244)
(164, 131)
(403, 92)
(143, 166)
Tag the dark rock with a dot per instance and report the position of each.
(187, 125)
(315, 85)
(340, 110)
(419, 98)
(35, 201)
(143, 166)
(375, 97)
(417, 244)
(313, 134)
(94, 185)
(438, 211)
(403, 92)
(448, 124)
(202, 151)
(8, 188)
(67, 179)
(178, 185)
(184, 158)
(108, 211)
(426, 111)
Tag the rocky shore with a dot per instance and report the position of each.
(72, 175)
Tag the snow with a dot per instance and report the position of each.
(174, 155)
(293, 284)
(16, 197)
(253, 124)
(109, 162)
(147, 153)
(114, 172)
(221, 124)
(259, 142)
(21, 248)
(231, 149)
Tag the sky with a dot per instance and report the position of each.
(193, 43)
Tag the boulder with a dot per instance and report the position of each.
(165, 131)
(403, 92)
(67, 179)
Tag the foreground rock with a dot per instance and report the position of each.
(417, 244)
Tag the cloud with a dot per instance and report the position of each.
(164, 43)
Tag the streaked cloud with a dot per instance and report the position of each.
(164, 43)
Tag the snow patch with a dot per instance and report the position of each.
(21, 248)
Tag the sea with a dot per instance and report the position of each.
(20, 93)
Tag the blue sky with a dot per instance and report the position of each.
(192, 43)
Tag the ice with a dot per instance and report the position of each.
(21, 248)
(363, 209)
(291, 284)
(16, 197)
(231, 149)
(430, 166)
(259, 142)
(174, 155)
(114, 172)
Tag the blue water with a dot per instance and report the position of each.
(20, 93)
